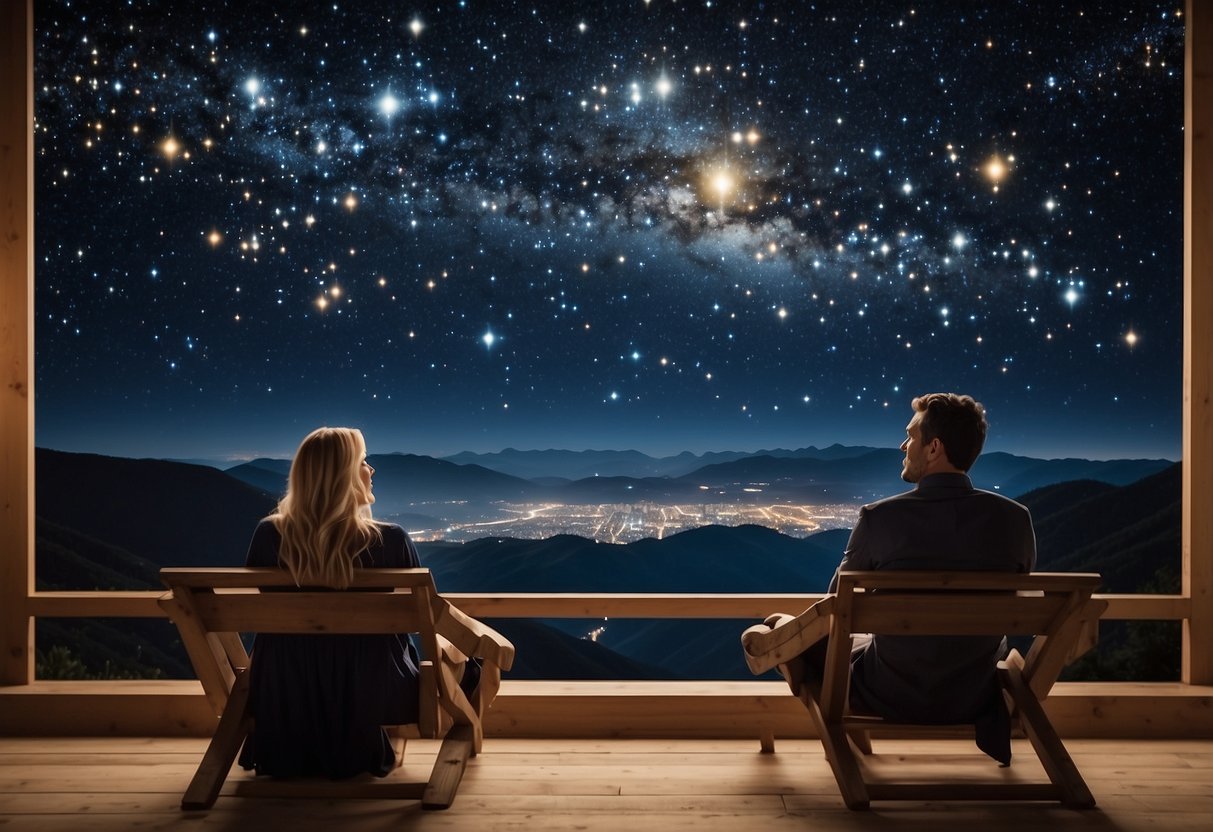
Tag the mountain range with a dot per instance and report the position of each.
(412, 484)
(576, 465)
(111, 523)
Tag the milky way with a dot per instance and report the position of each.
(659, 225)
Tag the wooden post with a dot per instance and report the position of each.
(16, 341)
(1198, 344)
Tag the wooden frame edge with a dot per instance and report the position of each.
(16, 340)
(1197, 521)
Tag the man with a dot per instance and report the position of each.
(943, 524)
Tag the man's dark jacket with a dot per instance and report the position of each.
(943, 524)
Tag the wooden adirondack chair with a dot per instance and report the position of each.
(1057, 609)
(211, 607)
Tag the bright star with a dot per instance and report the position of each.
(723, 183)
(996, 169)
(388, 105)
(488, 338)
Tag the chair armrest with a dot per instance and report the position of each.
(767, 646)
(471, 637)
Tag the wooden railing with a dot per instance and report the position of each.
(591, 709)
(142, 604)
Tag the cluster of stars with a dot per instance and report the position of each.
(476, 211)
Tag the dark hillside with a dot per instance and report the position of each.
(169, 513)
(1126, 533)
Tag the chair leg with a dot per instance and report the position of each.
(766, 741)
(398, 744)
(427, 720)
(448, 768)
(862, 740)
(1048, 745)
(455, 704)
(839, 755)
(221, 753)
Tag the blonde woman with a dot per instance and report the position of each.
(320, 700)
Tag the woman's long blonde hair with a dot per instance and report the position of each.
(325, 518)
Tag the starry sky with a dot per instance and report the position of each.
(647, 224)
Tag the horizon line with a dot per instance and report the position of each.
(235, 459)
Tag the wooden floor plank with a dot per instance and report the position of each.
(638, 785)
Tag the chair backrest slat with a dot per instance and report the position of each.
(954, 613)
(249, 576)
(313, 612)
(914, 579)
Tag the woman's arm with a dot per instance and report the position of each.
(412, 560)
(263, 548)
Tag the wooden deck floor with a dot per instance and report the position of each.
(631, 785)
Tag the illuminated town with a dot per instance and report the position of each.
(628, 522)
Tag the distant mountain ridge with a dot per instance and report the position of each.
(403, 479)
(409, 483)
(707, 559)
(576, 465)
(111, 523)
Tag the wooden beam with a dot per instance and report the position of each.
(142, 604)
(705, 710)
(1198, 345)
(16, 341)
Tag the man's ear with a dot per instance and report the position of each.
(935, 447)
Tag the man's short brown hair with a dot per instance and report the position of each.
(957, 421)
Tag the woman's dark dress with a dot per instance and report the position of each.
(319, 701)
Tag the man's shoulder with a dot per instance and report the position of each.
(1000, 501)
(892, 501)
(908, 500)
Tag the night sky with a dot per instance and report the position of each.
(656, 225)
